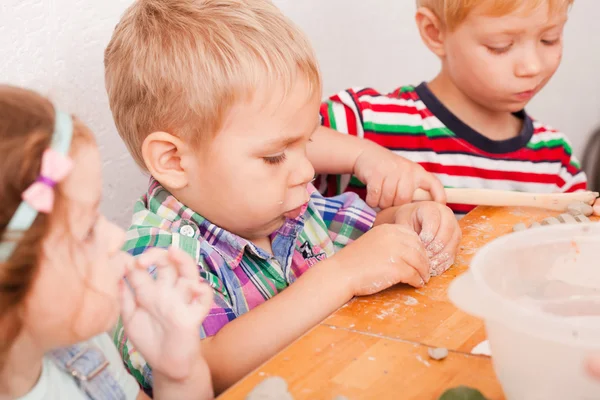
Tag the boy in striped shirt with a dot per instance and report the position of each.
(468, 125)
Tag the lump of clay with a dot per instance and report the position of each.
(519, 227)
(462, 393)
(550, 221)
(272, 388)
(567, 219)
(437, 354)
(580, 208)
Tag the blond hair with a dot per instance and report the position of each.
(453, 12)
(179, 65)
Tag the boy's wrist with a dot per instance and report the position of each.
(335, 270)
(196, 385)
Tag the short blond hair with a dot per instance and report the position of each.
(180, 65)
(453, 12)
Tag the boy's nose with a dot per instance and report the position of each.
(529, 65)
(304, 173)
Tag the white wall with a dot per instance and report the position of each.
(56, 47)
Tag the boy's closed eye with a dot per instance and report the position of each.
(278, 158)
(274, 160)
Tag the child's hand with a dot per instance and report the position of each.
(438, 230)
(391, 180)
(162, 317)
(384, 256)
(596, 207)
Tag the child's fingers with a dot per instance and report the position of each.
(404, 191)
(185, 264)
(167, 268)
(430, 218)
(143, 286)
(596, 207)
(153, 256)
(192, 290)
(166, 275)
(127, 301)
(428, 182)
(374, 189)
(388, 191)
(204, 301)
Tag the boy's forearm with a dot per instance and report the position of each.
(251, 339)
(332, 152)
(197, 387)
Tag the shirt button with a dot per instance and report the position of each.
(187, 230)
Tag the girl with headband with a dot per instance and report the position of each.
(62, 274)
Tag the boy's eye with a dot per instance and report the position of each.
(274, 160)
(552, 42)
(499, 50)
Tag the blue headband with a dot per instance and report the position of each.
(25, 214)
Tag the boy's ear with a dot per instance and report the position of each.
(163, 153)
(431, 30)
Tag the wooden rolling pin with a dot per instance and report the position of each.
(501, 198)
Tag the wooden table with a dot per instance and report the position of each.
(376, 347)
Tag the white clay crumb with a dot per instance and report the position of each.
(272, 388)
(582, 218)
(535, 225)
(438, 353)
(580, 208)
(410, 301)
(340, 398)
(519, 227)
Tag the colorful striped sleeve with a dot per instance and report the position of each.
(548, 144)
(343, 113)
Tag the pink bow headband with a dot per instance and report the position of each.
(40, 195)
(55, 167)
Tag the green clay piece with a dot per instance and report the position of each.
(462, 393)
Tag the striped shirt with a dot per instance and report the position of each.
(241, 274)
(414, 124)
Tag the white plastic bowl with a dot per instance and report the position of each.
(538, 292)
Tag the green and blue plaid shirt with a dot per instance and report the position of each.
(242, 275)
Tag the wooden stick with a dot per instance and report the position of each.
(501, 198)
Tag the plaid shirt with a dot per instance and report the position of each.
(242, 275)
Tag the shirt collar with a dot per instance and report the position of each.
(174, 216)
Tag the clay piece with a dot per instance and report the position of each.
(272, 388)
(550, 221)
(567, 219)
(340, 398)
(482, 348)
(519, 227)
(571, 217)
(437, 353)
(462, 393)
(580, 208)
